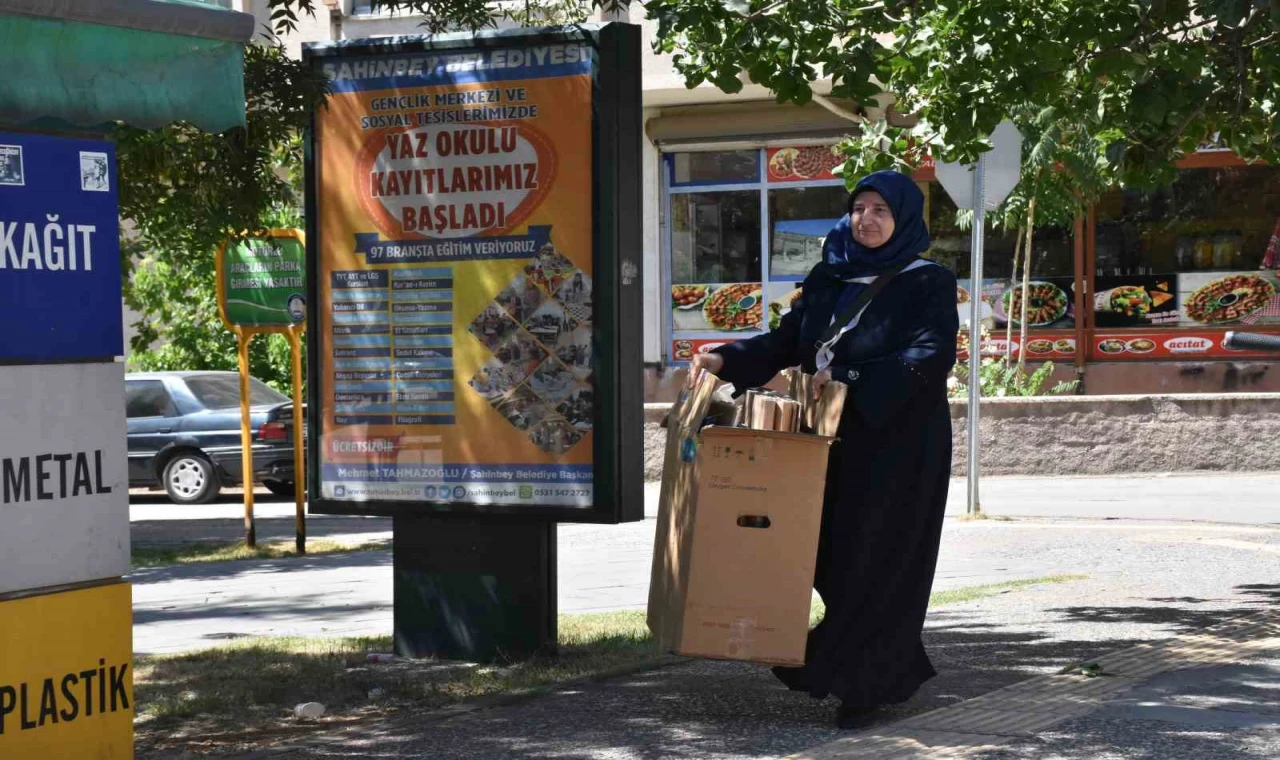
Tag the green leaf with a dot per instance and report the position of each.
(729, 82)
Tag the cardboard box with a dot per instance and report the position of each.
(737, 538)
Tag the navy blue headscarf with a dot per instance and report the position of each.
(847, 258)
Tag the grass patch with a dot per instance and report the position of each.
(243, 692)
(967, 593)
(181, 554)
(971, 593)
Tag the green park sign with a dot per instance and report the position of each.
(262, 280)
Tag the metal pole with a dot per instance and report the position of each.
(299, 482)
(975, 329)
(246, 439)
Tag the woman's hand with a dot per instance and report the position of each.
(820, 381)
(710, 363)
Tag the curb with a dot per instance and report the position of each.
(1032, 706)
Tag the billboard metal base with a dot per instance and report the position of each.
(479, 590)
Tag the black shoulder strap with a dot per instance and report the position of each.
(860, 303)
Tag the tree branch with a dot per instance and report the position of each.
(767, 9)
(843, 113)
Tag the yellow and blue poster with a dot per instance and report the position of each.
(454, 272)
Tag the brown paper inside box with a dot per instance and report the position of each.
(737, 536)
(798, 411)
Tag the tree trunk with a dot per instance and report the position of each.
(1013, 284)
(1026, 285)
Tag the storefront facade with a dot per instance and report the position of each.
(738, 195)
(1134, 297)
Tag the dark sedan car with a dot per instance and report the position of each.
(184, 434)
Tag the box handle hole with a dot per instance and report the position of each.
(754, 521)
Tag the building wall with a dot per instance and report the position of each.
(652, 256)
(1095, 435)
(315, 28)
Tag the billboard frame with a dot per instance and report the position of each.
(617, 318)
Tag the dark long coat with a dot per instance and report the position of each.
(887, 478)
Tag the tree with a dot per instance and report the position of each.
(436, 16)
(182, 191)
(1142, 81)
(1108, 92)
(1146, 80)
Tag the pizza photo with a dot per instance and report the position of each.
(810, 162)
(816, 161)
(1040, 346)
(735, 307)
(782, 164)
(1229, 299)
(1112, 346)
(688, 296)
(1046, 304)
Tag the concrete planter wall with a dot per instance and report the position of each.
(1098, 435)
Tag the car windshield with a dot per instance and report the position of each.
(223, 391)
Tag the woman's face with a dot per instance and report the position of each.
(871, 219)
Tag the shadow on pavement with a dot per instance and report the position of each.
(1213, 712)
(226, 530)
(1093, 738)
(226, 496)
(258, 567)
(708, 709)
(317, 606)
(1268, 591)
(1176, 619)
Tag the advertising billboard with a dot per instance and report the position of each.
(475, 275)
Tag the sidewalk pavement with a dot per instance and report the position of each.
(600, 567)
(1209, 694)
(1147, 583)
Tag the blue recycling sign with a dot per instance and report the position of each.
(60, 297)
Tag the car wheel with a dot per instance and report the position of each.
(189, 479)
(279, 487)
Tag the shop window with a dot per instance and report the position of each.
(799, 220)
(1052, 251)
(1207, 220)
(1051, 300)
(715, 261)
(1189, 254)
(741, 239)
(717, 168)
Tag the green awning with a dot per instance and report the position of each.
(70, 64)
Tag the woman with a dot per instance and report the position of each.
(888, 474)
